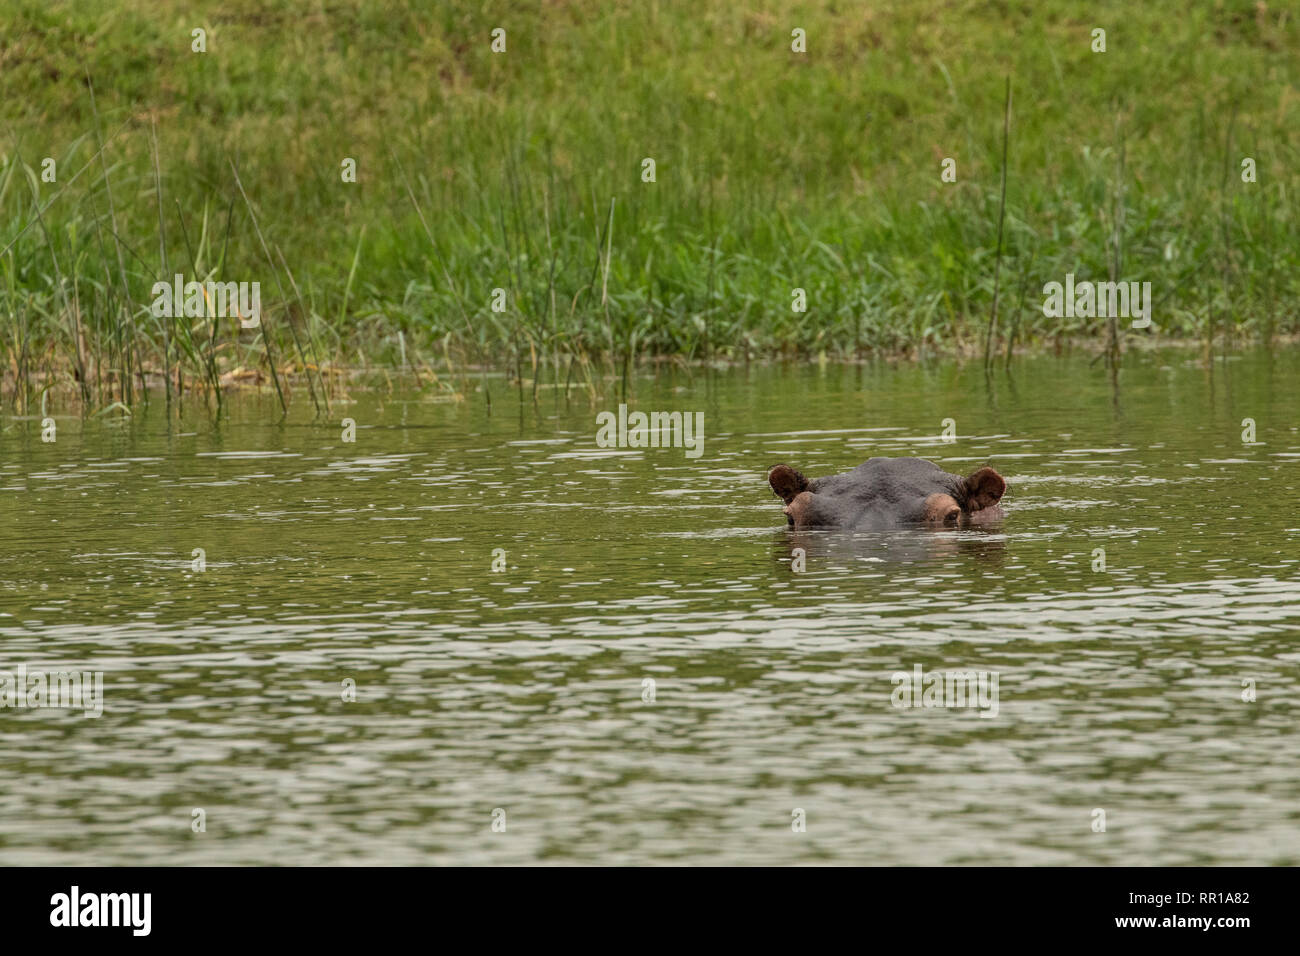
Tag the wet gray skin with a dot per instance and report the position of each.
(885, 493)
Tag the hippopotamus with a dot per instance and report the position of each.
(888, 493)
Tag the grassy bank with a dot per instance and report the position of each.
(523, 171)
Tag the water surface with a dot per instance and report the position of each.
(521, 690)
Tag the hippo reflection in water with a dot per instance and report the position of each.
(888, 493)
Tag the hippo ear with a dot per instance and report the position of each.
(786, 482)
(983, 488)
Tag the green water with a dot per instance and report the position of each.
(521, 690)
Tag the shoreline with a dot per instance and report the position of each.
(60, 381)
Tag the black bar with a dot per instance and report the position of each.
(950, 905)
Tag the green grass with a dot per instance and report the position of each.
(775, 171)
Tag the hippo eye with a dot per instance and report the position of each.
(941, 509)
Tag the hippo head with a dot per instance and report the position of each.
(887, 493)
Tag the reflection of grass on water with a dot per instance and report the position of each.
(522, 171)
